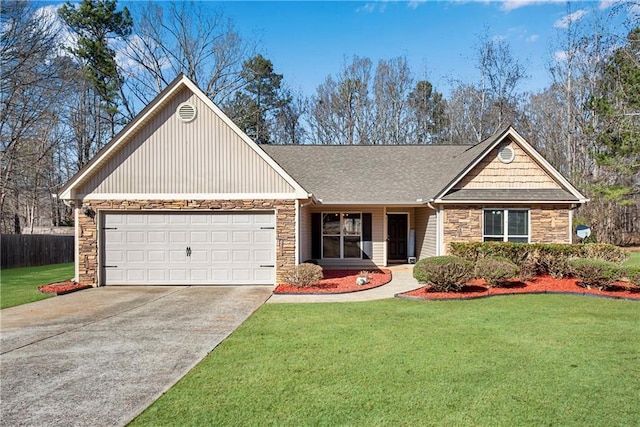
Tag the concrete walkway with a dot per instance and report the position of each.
(401, 281)
(99, 357)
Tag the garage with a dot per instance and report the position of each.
(188, 248)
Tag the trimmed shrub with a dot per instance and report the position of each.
(632, 274)
(604, 251)
(303, 275)
(495, 271)
(594, 273)
(444, 273)
(541, 258)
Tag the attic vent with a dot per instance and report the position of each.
(186, 112)
(506, 154)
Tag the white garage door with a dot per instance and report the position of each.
(188, 248)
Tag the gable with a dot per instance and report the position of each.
(166, 156)
(523, 172)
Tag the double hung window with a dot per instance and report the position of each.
(506, 225)
(341, 235)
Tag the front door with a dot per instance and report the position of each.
(397, 237)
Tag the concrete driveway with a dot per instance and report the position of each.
(99, 357)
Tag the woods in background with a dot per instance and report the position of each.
(72, 77)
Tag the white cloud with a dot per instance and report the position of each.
(567, 20)
(508, 5)
(560, 55)
(606, 4)
(532, 38)
(413, 4)
(48, 15)
(367, 8)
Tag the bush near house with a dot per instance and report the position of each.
(303, 275)
(595, 273)
(539, 258)
(444, 273)
(495, 270)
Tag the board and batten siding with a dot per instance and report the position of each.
(522, 172)
(205, 156)
(426, 232)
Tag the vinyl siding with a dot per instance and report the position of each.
(522, 172)
(167, 156)
(304, 236)
(426, 232)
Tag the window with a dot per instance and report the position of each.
(506, 225)
(341, 235)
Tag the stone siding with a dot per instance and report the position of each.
(549, 224)
(88, 233)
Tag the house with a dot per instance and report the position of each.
(182, 196)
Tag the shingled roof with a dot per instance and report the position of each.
(375, 174)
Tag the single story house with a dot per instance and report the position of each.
(182, 196)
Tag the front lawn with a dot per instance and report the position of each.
(634, 260)
(520, 360)
(20, 285)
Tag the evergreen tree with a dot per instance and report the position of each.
(96, 22)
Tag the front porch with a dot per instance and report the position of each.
(367, 236)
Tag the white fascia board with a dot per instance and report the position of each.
(299, 191)
(546, 165)
(510, 202)
(376, 203)
(528, 148)
(68, 194)
(189, 196)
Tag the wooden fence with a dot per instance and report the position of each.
(27, 250)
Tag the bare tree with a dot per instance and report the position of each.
(494, 97)
(184, 37)
(392, 84)
(32, 89)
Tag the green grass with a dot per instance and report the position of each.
(634, 260)
(20, 285)
(525, 360)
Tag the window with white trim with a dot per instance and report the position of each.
(341, 235)
(505, 225)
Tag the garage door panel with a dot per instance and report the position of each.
(226, 248)
(220, 236)
(133, 237)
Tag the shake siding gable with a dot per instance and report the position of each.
(168, 156)
(522, 172)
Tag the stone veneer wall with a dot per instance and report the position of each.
(549, 224)
(88, 233)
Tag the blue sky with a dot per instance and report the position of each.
(307, 41)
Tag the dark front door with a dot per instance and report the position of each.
(397, 237)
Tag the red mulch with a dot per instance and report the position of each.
(62, 288)
(338, 282)
(538, 285)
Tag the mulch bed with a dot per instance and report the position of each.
(538, 285)
(62, 288)
(338, 282)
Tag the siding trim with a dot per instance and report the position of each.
(189, 196)
(529, 150)
(68, 191)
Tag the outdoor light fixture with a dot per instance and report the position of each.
(87, 211)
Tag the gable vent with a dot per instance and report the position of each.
(506, 154)
(186, 112)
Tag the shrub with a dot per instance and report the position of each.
(303, 275)
(444, 273)
(495, 271)
(594, 273)
(543, 258)
(632, 274)
(604, 252)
